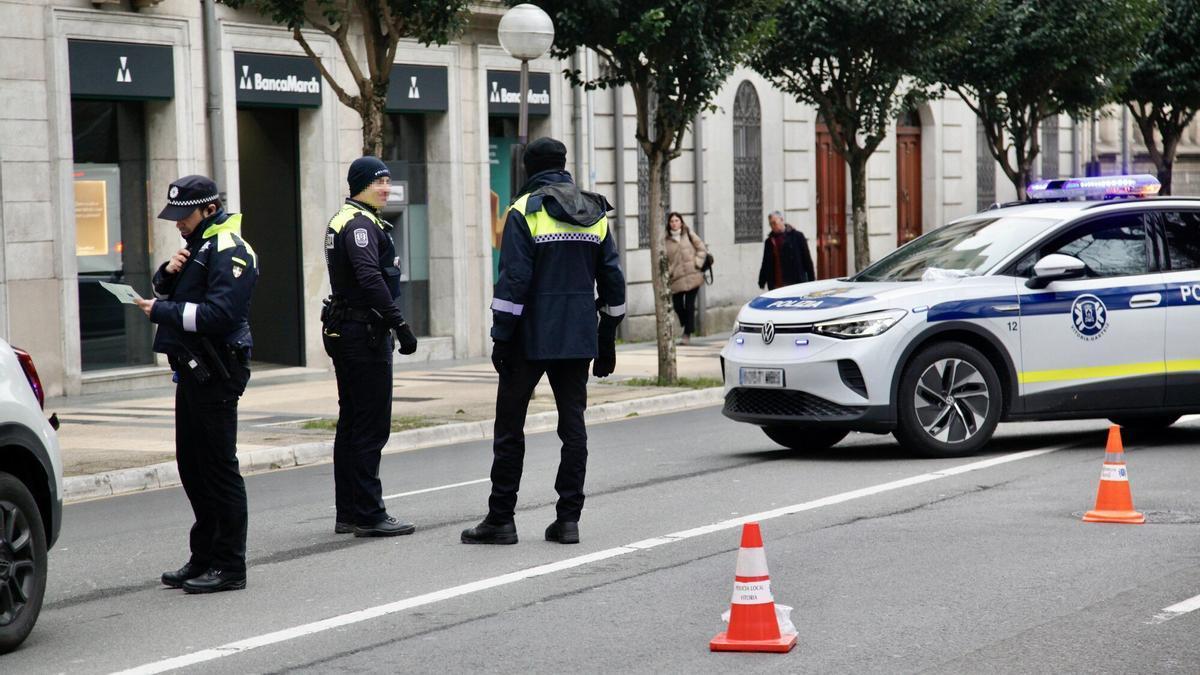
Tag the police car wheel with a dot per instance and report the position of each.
(805, 438)
(22, 562)
(1149, 423)
(949, 401)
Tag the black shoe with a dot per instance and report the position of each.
(175, 579)
(388, 527)
(214, 581)
(563, 532)
(342, 528)
(487, 533)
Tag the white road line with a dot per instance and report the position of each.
(1176, 610)
(286, 634)
(438, 488)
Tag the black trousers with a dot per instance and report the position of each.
(685, 307)
(568, 379)
(206, 452)
(364, 383)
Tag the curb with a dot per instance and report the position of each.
(166, 474)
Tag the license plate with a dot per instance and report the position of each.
(761, 377)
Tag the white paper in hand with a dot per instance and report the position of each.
(124, 292)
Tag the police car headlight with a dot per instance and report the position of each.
(860, 325)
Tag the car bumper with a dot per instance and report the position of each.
(787, 407)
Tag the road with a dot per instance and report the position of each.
(893, 564)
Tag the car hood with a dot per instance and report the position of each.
(832, 298)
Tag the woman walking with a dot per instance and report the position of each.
(685, 254)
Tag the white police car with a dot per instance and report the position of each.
(1053, 309)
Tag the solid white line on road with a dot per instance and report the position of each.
(1176, 610)
(286, 634)
(438, 488)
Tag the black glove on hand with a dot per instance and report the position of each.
(502, 355)
(606, 355)
(406, 342)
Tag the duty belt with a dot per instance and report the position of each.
(360, 315)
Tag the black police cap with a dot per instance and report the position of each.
(186, 195)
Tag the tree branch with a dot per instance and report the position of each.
(345, 98)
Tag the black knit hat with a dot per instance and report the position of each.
(186, 195)
(545, 154)
(363, 172)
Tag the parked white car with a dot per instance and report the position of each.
(1074, 305)
(30, 495)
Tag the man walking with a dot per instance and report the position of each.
(358, 324)
(786, 259)
(556, 257)
(202, 310)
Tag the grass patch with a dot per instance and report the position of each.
(686, 382)
(403, 423)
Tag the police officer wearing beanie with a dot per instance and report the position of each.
(557, 255)
(202, 308)
(358, 324)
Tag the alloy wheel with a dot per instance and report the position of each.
(951, 400)
(17, 567)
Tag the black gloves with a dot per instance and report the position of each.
(502, 355)
(606, 355)
(406, 342)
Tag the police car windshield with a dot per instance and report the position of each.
(965, 249)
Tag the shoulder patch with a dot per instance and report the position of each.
(329, 241)
(360, 237)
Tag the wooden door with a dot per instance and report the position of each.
(831, 207)
(908, 180)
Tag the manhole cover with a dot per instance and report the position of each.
(1162, 517)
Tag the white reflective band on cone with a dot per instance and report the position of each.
(752, 592)
(1115, 472)
(751, 562)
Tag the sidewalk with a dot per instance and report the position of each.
(113, 443)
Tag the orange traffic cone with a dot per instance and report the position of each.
(753, 626)
(1114, 502)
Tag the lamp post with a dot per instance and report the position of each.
(526, 32)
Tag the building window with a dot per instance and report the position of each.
(404, 141)
(985, 170)
(747, 165)
(1050, 147)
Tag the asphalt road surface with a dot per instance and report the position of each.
(893, 564)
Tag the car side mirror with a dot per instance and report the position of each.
(1056, 267)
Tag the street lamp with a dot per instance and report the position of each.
(526, 32)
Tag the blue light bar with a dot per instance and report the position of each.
(1094, 187)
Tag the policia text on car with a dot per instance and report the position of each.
(202, 309)
(558, 265)
(359, 321)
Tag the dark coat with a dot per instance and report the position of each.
(797, 261)
(546, 295)
(210, 295)
(361, 258)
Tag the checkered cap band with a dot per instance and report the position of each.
(192, 202)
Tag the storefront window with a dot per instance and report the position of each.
(404, 153)
(112, 241)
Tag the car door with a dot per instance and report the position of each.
(1096, 343)
(1181, 236)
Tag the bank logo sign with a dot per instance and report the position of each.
(120, 70)
(277, 81)
(504, 93)
(417, 88)
(123, 74)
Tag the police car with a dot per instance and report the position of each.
(1082, 303)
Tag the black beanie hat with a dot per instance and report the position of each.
(364, 171)
(545, 154)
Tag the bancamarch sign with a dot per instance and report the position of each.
(271, 80)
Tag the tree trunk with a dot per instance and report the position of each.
(1164, 176)
(858, 211)
(372, 124)
(660, 271)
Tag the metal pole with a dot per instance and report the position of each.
(577, 120)
(618, 223)
(698, 219)
(523, 115)
(212, 68)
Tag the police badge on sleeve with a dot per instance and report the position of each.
(360, 238)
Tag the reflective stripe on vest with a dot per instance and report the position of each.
(347, 213)
(224, 233)
(545, 229)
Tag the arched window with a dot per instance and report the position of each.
(747, 165)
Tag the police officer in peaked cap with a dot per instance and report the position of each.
(202, 309)
(361, 325)
(556, 307)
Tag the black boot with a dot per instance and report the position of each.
(388, 527)
(488, 533)
(342, 528)
(563, 532)
(175, 579)
(214, 581)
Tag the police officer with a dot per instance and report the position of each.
(202, 309)
(556, 256)
(359, 321)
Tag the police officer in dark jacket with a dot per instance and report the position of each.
(202, 309)
(358, 325)
(556, 256)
